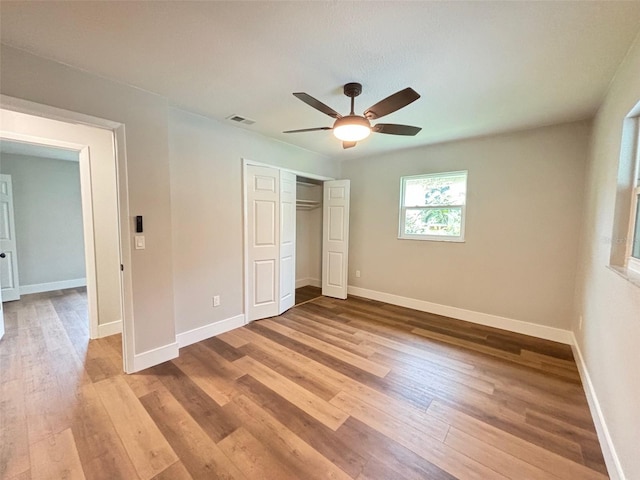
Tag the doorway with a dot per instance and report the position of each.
(308, 239)
(41, 227)
(95, 148)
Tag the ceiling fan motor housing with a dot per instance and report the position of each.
(352, 120)
(352, 89)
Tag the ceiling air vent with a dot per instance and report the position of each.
(239, 119)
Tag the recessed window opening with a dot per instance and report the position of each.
(432, 206)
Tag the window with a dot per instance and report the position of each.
(633, 260)
(625, 232)
(432, 207)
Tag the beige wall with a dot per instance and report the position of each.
(523, 215)
(608, 303)
(206, 201)
(145, 116)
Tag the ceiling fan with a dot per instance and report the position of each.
(352, 128)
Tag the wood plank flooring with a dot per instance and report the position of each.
(306, 293)
(340, 389)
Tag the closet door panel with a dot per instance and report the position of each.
(287, 240)
(335, 238)
(263, 241)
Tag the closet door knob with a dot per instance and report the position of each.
(2, 255)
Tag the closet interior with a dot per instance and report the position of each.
(308, 239)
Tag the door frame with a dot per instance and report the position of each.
(87, 214)
(245, 226)
(123, 227)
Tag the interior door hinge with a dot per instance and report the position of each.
(121, 267)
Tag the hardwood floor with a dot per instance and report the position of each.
(331, 389)
(306, 293)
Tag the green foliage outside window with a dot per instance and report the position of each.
(434, 204)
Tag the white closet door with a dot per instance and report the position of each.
(263, 241)
(1, 318)
(9, 258)
(335, 238)
(287, 240)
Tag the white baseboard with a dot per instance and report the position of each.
(51, 286)
(517, 326)
(210, 330)
(608, 450)
(154, 357)
(111, 328)
(303, 282)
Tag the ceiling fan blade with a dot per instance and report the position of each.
(392, 103)
(346, 145)
(317, 104)
(395, 129)
(308, 130)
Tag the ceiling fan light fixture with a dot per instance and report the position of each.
(352, 128)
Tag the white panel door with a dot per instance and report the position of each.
(8, 257)
(335, 238)
(287, 240)
(1, 318)
(263, 241)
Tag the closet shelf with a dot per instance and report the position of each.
(307, 184)
(307, 204)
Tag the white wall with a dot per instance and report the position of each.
(48, 218)
(524, 208)
(609, 304)
(145, 116)
(206, 207)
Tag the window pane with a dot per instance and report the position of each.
(636, 236)
(435, 190)
(433, 221)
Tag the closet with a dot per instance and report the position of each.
(296, 230)
(308, 232)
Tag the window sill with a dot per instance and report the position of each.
(628, 275)
(434, 239)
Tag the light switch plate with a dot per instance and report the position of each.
(139, 242)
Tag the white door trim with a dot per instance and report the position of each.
(87, 213)
(299, 173)
(120, 160)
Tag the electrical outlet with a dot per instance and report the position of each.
(216, 301)
(357, 273)
(580, 323)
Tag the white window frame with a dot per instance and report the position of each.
(633, 263)
(433, 238)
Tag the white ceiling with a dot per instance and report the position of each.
(481, 67)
